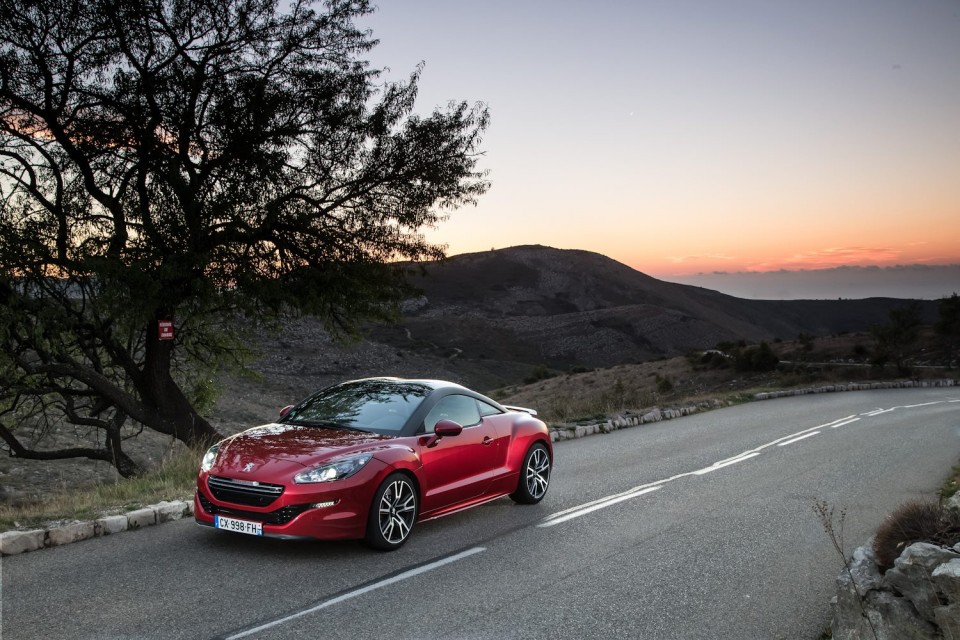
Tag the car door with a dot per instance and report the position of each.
(457, 468)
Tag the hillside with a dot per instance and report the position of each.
(492, 319)
(567, 308)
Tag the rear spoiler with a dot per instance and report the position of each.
(532, 412)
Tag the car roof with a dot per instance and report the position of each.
(432, 384)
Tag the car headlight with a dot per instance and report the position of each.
(336, 470)
(209, 457)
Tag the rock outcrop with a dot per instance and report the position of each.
(918, 599)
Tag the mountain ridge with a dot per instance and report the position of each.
(568, 307)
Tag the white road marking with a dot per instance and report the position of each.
(606, 501)
(359, 592)
(797, 439)
(877, 412)
(841, 424)
(596, 505)
(725, 463)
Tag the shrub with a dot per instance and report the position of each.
(540, 372)
(760, 358)
(914, 522)
(664, 384)
(715, 360)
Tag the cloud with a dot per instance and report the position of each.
(923, 281)
(699, 258)
(832, 257)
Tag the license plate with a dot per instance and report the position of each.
(238, 526)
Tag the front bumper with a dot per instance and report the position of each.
(293, 515)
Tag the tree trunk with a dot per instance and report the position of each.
(124, 465)
(157, 388)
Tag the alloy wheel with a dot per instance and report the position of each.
(538, 473)
(398, 510)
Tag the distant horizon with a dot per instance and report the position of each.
(850, 282)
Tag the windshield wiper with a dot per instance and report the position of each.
(326, 424)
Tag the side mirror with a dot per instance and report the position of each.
(285, 410)
(447, 428)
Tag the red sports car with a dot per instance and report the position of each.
(371, 458)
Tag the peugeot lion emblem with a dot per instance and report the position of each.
(247, 467)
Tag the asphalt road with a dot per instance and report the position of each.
(701, 527)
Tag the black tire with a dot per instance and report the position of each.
(534, 476)
(393, 513)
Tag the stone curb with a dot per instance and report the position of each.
(14, 542)
(631, 419)
(858, 386)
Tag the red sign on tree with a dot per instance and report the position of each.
(165, 329)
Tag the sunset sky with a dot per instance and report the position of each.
(696, 136)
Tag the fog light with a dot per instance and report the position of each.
(323, 505)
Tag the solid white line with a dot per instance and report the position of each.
(594, 506)
(906, 406)
(798, 438)
(840, 424)
(359, 592)
(725, 463)
(925, 404)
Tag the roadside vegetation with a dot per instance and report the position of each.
(173, 479)
(732, 372)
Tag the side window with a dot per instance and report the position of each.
(461, 409)
(487, 409)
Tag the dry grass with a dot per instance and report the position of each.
(595, 395)
(174, 478)
(911, 522)
(952, 484)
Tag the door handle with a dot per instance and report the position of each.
(487, 440)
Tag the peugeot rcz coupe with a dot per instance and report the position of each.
(370, 459)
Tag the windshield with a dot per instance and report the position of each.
(380, 406)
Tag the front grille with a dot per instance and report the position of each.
(254, 494)
(280, 516)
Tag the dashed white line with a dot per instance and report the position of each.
(797, 439)
(359, 592)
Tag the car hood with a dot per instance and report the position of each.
(281, 448)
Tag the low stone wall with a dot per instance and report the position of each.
(858, 386)
(630, 419)
(918, 599)
(14, 542)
